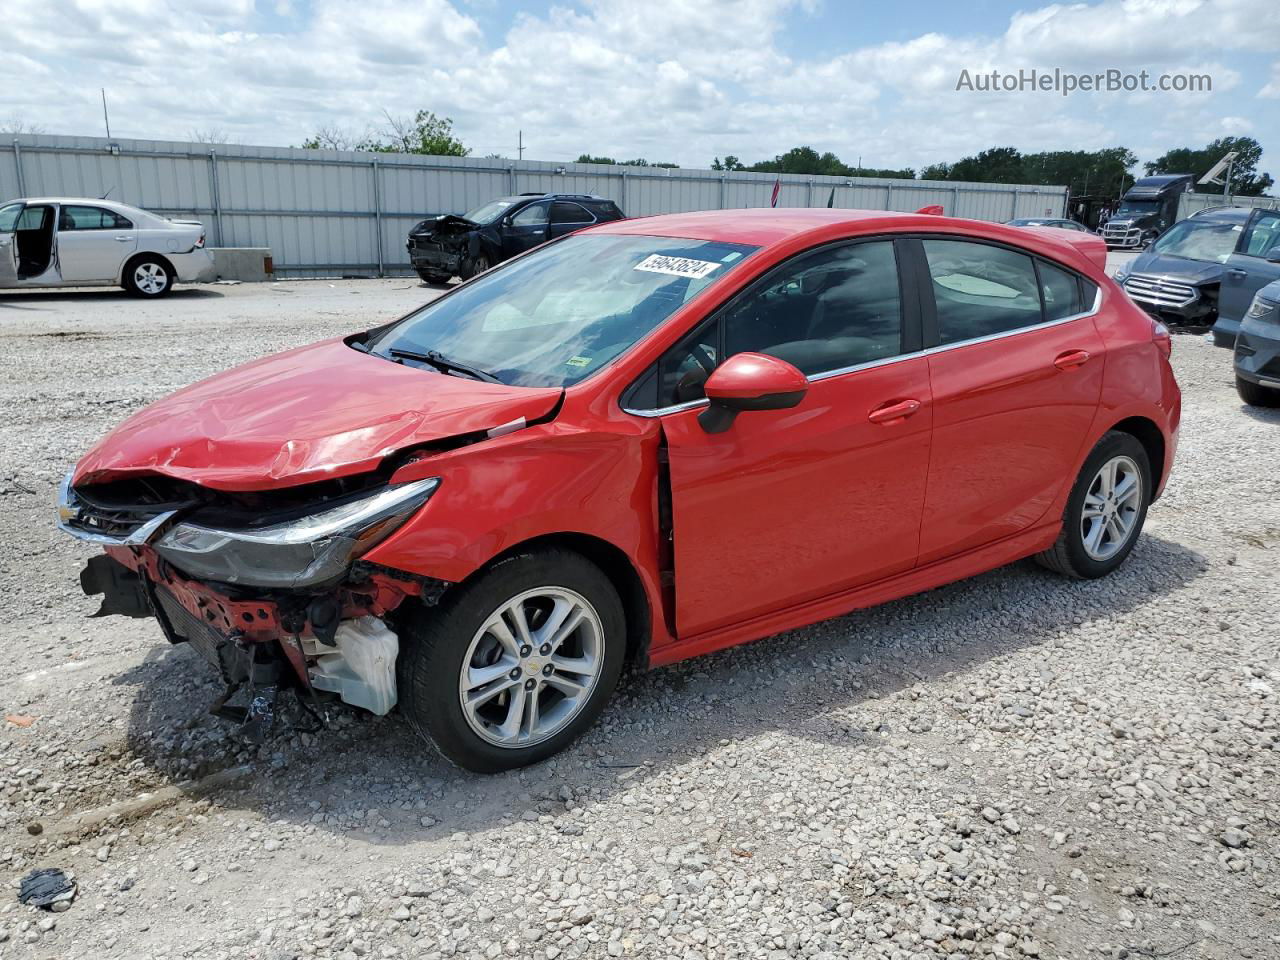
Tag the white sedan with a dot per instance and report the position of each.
(67, 242)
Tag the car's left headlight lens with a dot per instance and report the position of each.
(310, 550)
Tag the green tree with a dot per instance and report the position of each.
(993, 165)
(730, 162)
(1245, 178)
(424, 134)
(936, 171)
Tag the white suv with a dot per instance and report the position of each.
(65, 242)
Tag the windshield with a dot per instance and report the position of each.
(553, 318)
(489, 211)
(1211, 242)
(1137, 208)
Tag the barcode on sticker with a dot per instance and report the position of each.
(676, 266)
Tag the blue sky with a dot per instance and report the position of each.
(668, 80)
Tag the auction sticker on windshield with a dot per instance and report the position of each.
(676, 266)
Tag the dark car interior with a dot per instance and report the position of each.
(34, 240)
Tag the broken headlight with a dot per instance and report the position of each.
(310, 550)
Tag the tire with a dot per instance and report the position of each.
(427, 277)
(1076, 555)
(148, 276)
(477, 266)
(1256, 395)
(455, 650)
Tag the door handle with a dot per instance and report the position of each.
(1237, 274)
(893, 412)
(123, 239)
(4, 243)
(1071, 359)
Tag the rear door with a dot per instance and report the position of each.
(1254, 264)
(567, 216)
(1016, 375)
(526, 229)
(93, 243)
(9, 244)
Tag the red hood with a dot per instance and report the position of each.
(310, 414)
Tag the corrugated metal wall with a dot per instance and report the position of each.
(325, 212)
(1190, 203)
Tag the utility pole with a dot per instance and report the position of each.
(105, 119)
(520, 145)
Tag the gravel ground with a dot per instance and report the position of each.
(1013, 766)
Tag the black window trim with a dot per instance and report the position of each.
(910, 335)
(63, 207)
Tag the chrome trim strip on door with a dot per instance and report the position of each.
(941, 348)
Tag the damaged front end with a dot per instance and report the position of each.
(442, 245)
(270, 588)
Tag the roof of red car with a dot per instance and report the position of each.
(763, 226)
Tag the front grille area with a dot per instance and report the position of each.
(1121, 236)
(1159, 291)
(220, 651)
(116, 523)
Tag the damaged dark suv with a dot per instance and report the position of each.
(451, 246)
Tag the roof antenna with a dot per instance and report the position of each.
(107, 194)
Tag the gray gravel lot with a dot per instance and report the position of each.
(1012, 766)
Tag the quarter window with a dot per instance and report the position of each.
(1262, 236)
(981, 290)
(1060, 290)
(9, 217)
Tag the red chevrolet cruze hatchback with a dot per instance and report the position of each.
(647, 440)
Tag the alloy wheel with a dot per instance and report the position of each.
(531, 667)
(150, 278)
(1111, 508)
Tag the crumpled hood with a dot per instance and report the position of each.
(445, 223)
(310, 414)
(1177, 268)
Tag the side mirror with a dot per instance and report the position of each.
(750, 381)
(1273, 255)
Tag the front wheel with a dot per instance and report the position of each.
(477, 266)
(514, 665)
(1105, 511)
(148, 277)
(1256, 395)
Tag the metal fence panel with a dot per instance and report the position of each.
(329, 212)
(1190, 203)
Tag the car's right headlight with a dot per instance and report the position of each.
(1263, 309)
(312, 549)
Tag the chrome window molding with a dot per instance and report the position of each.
(871, 364)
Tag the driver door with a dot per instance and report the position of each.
(789, 506)
(9, 244)
(526, 229)
(1248, 269)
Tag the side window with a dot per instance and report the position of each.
(34, 218)
(91, 218)
(9, 217)
(833, 308)
(1060, 290)
(980, 289)
(533, 215)
(564, 212)
(1262, 236)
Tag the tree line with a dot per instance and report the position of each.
(1102, 173)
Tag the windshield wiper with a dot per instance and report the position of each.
(442, 363)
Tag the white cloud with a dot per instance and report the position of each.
(665, 79)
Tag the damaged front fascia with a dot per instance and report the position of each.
(234, 613)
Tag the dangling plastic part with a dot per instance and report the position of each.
(363, 670)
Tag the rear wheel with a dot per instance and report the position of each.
(1105, 512)
(515, 664)
(149, 277)
(1256, 395)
